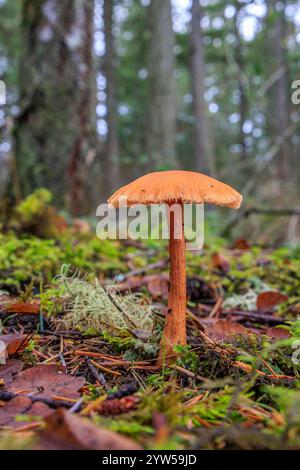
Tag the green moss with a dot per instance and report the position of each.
(34, 205)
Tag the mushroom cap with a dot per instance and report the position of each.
(177, 186)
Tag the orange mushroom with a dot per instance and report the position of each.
(181, 187)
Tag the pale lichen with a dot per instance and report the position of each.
(88, 304)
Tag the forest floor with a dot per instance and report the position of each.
(81, 321)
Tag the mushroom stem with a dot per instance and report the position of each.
(175, 325)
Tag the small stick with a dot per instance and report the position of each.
(105, 369)
(80, 352)
(6, 396)
(71, 335)
(60, 398)
(76, 405)
(27, 337)
(28, 427)
(216, 308)
(267, 366)
(40, 354)
(188, 373)
(118, 307)
(99, 377)
(254, 315)
(62, 359)
(53, 358)
(149, 267)
(196, 399)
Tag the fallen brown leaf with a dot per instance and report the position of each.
(67, 431)
(8, 370)
(157, 284)
(47, 380)
(24, 308)
(222, 330)
(14, 343)
(21, 406)
(131, 284)
(270, 299)
(40, 409)
(10, 410)
(278, 333)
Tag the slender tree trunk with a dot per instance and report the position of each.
(202, 151)
(83, 150)
(279, 93)
(111, 170)
(54, 126)
(243, 102)
(162, 107)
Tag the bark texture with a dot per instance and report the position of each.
(202, 151)
(55, 123)
(279, 116)
(162, 106)
(111, 160)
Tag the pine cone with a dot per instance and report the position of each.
(118, 406)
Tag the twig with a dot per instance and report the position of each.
(184, 371)
(76, 406)
(283, 212)
(267, 366)
(27, 337)
(62, 360)
(105, 369)
(80, 352)
(255, 315)
(6, 396)
(118, 307)
(99, 377)
(216, 308)
(72, 335)
(124, 391)
(241, 365)
(136, 272)
(251, 183)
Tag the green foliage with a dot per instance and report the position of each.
(125, 426)
(294, 328)
(34, 205)
(214, 406)
(164, 400)
(17, 443)
(51, 299)
(23, 260)
(288, 403)
(187, 358)
(32, 259)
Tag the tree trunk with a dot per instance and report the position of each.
(162, 106)
(279, 93)
(202, 151)
(243, 102)
(111, 163)
(53, 97)
(83, 151)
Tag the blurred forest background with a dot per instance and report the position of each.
(99, 92)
